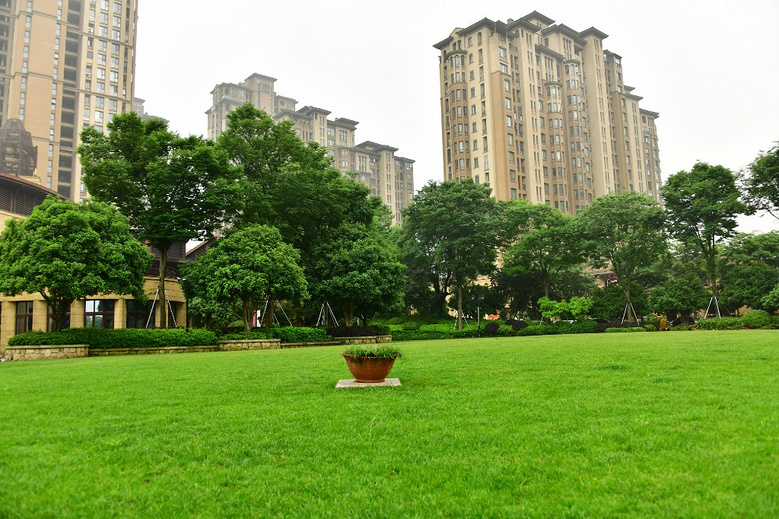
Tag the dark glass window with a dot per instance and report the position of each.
(23, 316)
(138, 314)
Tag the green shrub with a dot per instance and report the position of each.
(287, 334)
(756, 319)
(411, 325)
(491, 328)
(380, 329)
(725, 323)
(118, 338)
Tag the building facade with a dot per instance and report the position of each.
(542, 112)
(389, 176)
(65, 64)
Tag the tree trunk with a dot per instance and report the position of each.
(348, 311)
(459, 307)
(248, 317)
(629, 306)
(163, 294)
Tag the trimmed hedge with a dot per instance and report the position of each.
(756, 319)
(724, 323)
(118, 338)
(604, 327)
(287, 334)
(357, 331)
(517, 328)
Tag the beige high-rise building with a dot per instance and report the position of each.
(541, 112)
(388, 176)
(64, 64)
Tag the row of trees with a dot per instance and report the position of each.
(673, 260)
(293, 227)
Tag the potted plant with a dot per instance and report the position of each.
(370, 363)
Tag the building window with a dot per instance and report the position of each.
(23, 316)
(99, 313)
(138, 313)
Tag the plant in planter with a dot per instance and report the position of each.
(370, 363)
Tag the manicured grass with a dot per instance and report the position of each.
(682, 424)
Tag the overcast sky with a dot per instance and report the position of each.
(709, 67)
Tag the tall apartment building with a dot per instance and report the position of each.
(64, 64)
(541, 112)
(388, 176)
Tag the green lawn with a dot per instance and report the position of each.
(677, 424)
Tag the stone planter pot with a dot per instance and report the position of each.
(370, 370)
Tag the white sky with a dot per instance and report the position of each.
(709, 67)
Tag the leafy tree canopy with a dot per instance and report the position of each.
(243, 269)
(762, 183)
(624, 232)
(702, 206)
(450, 235)
(360, 272)
(66, 252)
(172, 189)
(545, 242)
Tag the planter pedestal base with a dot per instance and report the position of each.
(347, 383)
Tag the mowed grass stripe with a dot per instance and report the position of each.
(653, 424)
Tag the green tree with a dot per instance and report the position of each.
(749, 269)
(682, 294)
(264, 150)
(762, 183)
(172, 189)
(745, 284)
(610, 303)
(544, 243)
(702, 206)
(243, 269)
(360, 272)
(771, 300)
(291, 185)
(66, 252)
(450, 236)
(624, 232)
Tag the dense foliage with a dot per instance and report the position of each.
(65, 251)
(244, 269)
(286, 334)
(117, 338)
(173, 189)
(449, 237)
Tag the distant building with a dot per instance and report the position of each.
(139, 109)
(64, 65)
(541, 112)
(388, 176)
(18, 155)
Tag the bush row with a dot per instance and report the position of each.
(117, 338)
(286, 334)
(752, 319)
(358, 331)
(491, 329)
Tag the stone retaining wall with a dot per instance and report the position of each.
(68, 351)
(72, 351)
(250, 344)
